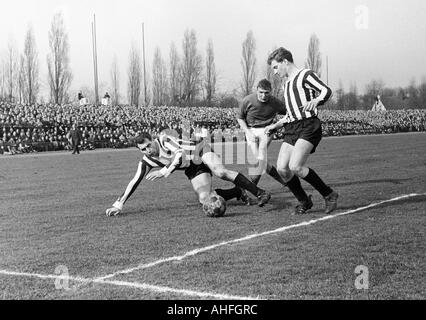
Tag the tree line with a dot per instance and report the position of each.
(185, 78)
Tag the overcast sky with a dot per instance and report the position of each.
(386, 41)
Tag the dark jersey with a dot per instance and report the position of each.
(260, 114)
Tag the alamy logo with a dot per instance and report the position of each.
(362, 17)
(362, 280)
(63, 279)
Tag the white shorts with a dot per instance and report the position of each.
(259, 147)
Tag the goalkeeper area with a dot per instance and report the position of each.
(57, 243)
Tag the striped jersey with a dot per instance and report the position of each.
(173, 152)
(304, 87)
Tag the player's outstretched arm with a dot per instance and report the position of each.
(117, 207)
(167, 170)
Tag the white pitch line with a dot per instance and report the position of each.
(137, 285)
(163, 289)
(252, 236)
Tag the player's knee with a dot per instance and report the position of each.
(221, 173)
(203, 197)
(296, 169)
(284, 172)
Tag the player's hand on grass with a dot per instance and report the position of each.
(311, 105)
(154, 175)
(112, 212)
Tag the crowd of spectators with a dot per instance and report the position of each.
(34, 128)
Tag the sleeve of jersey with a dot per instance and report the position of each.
(242, 111)
(174, 164)
(315, 83)
(143, 168)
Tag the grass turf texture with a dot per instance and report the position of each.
(52, 208)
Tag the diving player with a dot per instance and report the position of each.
(197, 160)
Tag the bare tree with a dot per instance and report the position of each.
(3, 75)
(422, 93)
(413, 94)
(352, 97)
(134, 76)
(115, 83)
(21, 80)
(31, 70)
(174, 75)
(248, 64)
(191, 66)
(314, 59)
(59, 73)
(372, 89)
(340, 96)
(210, 80)
(12, 67)
(159, 79)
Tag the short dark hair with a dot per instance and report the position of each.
(264, 84)
(279, 55)
(142, 137)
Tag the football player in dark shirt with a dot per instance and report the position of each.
(257, 111)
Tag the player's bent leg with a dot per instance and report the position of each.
(262, 153)
(253, 160)
(202, 185)
(272, 171)
(292, 180)
(213, 161)
(283, 161)
(298, 160)
(228, 194)
(301, 151)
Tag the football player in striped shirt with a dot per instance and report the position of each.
(303, 93)
(197, 160)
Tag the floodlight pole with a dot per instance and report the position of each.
(95, 60)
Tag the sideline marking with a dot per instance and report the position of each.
(252, 236)
(163, 289)
(137, 285)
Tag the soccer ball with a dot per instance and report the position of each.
(215, 206)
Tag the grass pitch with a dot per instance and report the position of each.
(52, 209)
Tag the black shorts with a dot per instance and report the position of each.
(196, 169)
(307, 129)
(197, 166)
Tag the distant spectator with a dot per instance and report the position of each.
(45, 127)
(75, 137)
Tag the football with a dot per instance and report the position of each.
(215, 207)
